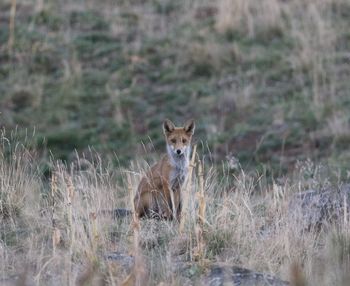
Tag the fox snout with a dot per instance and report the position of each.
(178, 150)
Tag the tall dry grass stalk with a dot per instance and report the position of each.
(187, 190)
(138, 275)
(69, 200)
(56, 234)
(199, 228)
(201, 194)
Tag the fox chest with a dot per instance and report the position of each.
(177, 177)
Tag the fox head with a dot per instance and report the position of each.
(178, 139)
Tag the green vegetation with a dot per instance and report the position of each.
(265, 82)
(85, 86)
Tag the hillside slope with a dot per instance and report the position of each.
(266, 81)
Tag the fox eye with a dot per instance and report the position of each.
(184, 141)
(173, 141)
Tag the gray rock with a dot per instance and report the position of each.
(218, 274)
(126, 261)
(313, 209)
(233, 275)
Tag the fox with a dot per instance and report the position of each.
(159, 192)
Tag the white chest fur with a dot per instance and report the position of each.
(179, 170)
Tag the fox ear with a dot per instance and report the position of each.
(168, 126)
(189, 126)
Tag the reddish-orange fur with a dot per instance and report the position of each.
(159, 192)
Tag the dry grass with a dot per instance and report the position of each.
(249, 17)
(55, 231)
(51, 228)
(309, 24)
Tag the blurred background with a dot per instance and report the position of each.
(267, 81)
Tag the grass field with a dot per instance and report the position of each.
(265, 80)
(85, 86)
(57, 232)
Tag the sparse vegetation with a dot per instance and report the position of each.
(55, 230)
(84, 88)
(266, 80)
